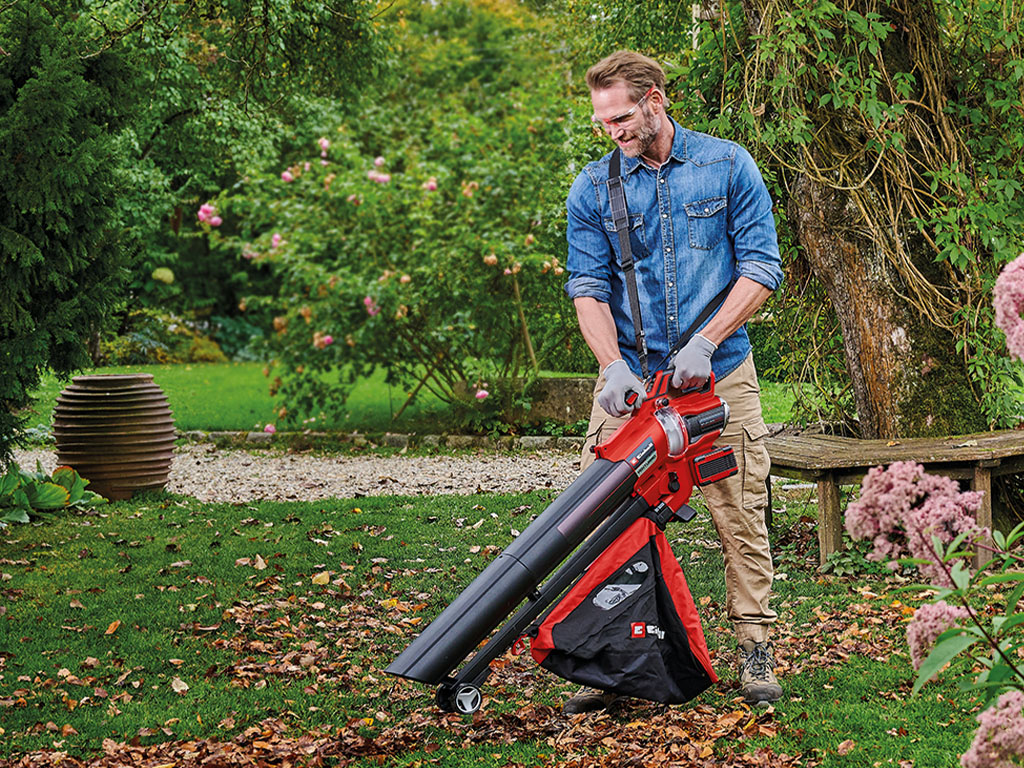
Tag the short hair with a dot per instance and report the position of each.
(634, 70)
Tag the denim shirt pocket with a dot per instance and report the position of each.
(637, 241)
(705, 220)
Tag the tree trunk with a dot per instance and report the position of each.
(854, 212)
(908, 380)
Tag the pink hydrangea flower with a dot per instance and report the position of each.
(270, 428)
(324, 143)
(901, 508)
(379, 161)
(205, 212)
(371, 306)
(287, 177)
(1008, 301)
(275, 240)
(930, 621)
(482, 394)
(999, 742)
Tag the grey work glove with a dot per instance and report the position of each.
(692, 363)
(619, 384)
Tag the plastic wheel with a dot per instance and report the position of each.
(467, 699)
(445, 698)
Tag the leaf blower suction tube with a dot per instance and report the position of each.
(646, 464)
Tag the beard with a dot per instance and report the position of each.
(645, 134)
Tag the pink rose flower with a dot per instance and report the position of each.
(323, 162)
(379, 161)
(324, 143)
(270, 428)
(430, 184)
(354, 199)
(306, 166)
(275, 240)
(482, 394)
(327, 340)
(205, 211)
(287, 177)
(216, 221)
(371, 306)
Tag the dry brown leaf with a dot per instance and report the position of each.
(179, 686)
(847, 747)
(114, 626)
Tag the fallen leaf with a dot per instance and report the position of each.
(847, 747)
(75, 604)
(259, 564)
(179, 686)
(322, 578)
(114, 626)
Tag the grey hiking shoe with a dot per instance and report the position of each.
(588, 700)
(757, 675)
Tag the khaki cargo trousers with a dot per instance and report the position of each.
(737, 504)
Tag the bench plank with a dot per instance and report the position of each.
(830, 460)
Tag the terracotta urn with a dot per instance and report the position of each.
(117, 431)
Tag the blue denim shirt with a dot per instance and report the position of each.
(701, 220)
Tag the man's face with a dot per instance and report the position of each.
(635, 134)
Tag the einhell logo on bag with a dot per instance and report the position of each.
(640, 629)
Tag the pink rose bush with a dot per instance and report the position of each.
(901, 508)
(208, 214)
(371, 306)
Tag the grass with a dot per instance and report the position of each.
(235, 396)
(287, 613)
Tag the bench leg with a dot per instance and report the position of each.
(830, 521)
(983, 482)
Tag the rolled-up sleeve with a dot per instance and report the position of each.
(590, 252)
(751, 224)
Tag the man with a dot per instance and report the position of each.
(700, 218)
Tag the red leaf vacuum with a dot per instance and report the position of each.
(592, 580)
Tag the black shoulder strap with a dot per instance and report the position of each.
(620, 217)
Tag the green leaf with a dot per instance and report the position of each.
(15, 516)
(47, 496)
(943, 652)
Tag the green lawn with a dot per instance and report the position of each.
(235, 396)
(163, 620)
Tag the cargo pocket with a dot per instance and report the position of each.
(637, 240)
(706, 222)
(756, 464)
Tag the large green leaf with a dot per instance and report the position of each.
(943, 652)
(71, 480)
(14, 516)
(46, 496)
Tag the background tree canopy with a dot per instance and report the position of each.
(890, 135)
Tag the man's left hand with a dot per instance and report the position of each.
(692, 363)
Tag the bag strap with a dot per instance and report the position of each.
(620, 218)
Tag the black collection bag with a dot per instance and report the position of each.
(629, 625)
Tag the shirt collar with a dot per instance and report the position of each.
(630, 164)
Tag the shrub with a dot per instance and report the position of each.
(148, 336)
(61, 265)
(35, 494)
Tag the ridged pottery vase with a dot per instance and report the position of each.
(117, 431)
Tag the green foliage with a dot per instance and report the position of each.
(35, 494)
(148, 336)
(418, 243)
(61, 262)
(911, 112)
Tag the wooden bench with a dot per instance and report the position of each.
(832, 461)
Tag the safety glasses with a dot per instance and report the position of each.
(601, 124)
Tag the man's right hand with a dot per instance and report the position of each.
(620, 383)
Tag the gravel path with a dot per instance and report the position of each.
(230, 475)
